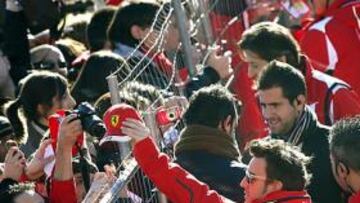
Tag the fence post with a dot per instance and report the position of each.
(184, 35)
(113, 89)
(124, 147)
(205, 23)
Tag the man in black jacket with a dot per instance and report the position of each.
(282, 93)
(207, 146)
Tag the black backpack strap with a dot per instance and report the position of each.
(327, 101)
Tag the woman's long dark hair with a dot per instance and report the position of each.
(36, 88)
(91, 83)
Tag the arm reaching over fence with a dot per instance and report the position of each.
(175, 182)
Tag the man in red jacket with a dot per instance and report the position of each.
(330, 97)
(344, 153)
(332, 41)
(264, 182)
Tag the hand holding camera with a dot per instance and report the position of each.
(70, 129)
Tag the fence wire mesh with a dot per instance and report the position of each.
(131, 184)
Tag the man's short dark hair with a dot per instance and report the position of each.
(211, 105)
(345, 142)
(284, 163)
(270, 41)
(140, 14)
(96, 34)
(283, 75)
(10, 189)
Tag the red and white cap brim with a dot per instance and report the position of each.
(114, 138)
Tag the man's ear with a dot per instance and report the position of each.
(226, 124)
(137, 32)
(275, 186)
(342, 170)
(228, 121)
(300, 102)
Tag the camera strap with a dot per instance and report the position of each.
(84, 168)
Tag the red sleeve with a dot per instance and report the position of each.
(346, 103)
(251, 125)
(318, 54)
(63, 191)
(172, 180)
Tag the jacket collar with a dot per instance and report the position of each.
(285, 196)
(207, 139)
(355, 198)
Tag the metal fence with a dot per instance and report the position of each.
(132, 185)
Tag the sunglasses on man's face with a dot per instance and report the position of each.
(251, 178)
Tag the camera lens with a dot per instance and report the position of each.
(171, 116)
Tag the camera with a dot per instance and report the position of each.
(90, 122)
(54, 127)
(166, 116)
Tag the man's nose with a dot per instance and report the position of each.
(243, 183)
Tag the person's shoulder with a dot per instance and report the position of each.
(318, 136)
(322, 131)
(203, 159)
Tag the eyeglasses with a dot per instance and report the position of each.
(250, 178)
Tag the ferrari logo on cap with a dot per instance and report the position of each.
(114, 120)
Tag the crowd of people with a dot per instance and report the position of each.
(269, 115)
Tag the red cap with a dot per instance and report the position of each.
(113, 119)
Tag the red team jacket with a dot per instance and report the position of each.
(180, 186)
(337, 37)
(330, 98)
